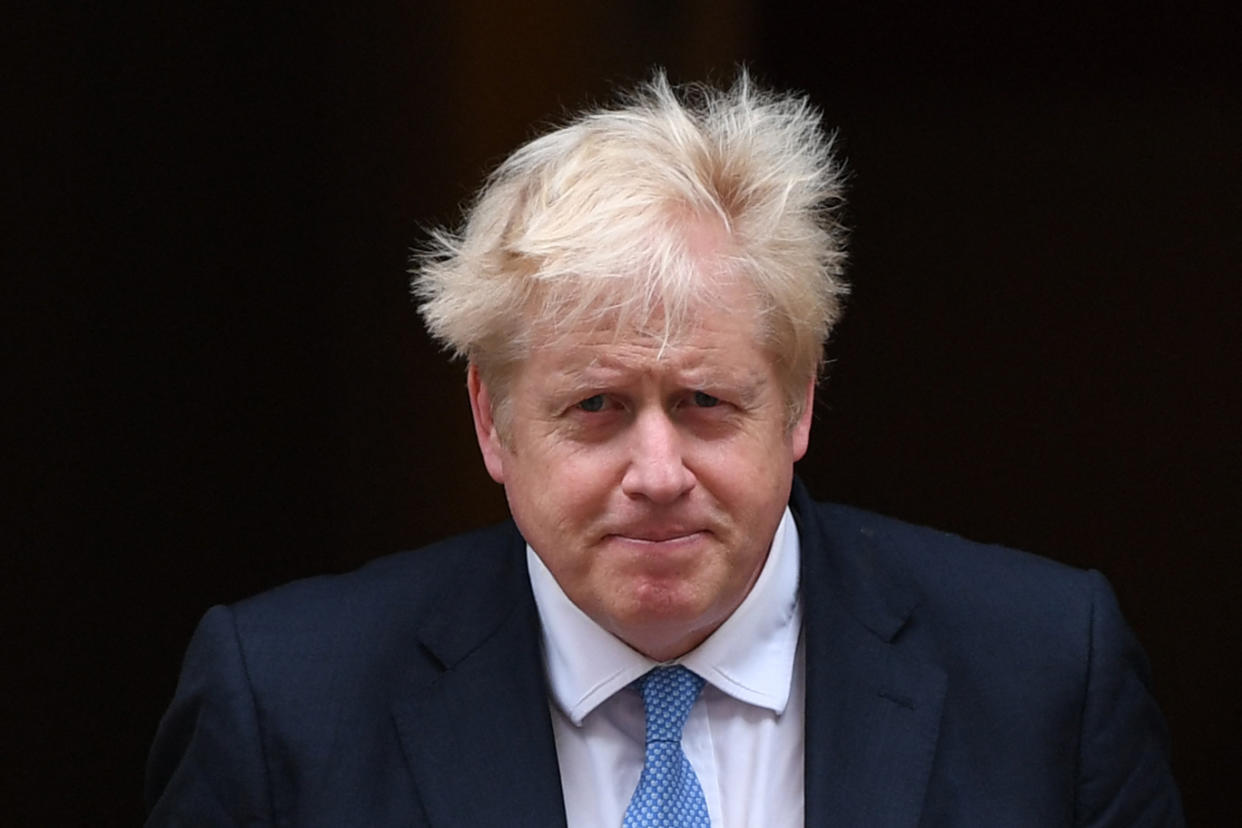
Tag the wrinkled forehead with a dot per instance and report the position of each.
(710, 344)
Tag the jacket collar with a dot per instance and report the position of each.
(872, 709)
(487, 711)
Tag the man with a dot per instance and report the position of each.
(670, 631)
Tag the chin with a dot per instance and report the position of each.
(667, 609)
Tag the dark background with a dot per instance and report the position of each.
(220, 382)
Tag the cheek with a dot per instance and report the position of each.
(751, 484)
(738, 465)
(563, 490)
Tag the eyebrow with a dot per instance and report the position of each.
(748, 385)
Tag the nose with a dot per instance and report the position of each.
(657, 468)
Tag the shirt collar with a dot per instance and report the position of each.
(750, 656)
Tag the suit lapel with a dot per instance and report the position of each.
(478, 737)
(872, 710)
(872, 719)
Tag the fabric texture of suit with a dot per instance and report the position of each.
(947, 684)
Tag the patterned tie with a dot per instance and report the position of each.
(668, 793)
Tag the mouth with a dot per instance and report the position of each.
(656, 535)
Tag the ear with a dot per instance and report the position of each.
(485, 425)
(800, 436)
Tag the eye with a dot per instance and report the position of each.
(593, 404)
(704, 400)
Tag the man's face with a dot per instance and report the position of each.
(650, 482)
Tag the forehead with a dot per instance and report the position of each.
(716, 343)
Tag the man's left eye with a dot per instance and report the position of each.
(704, 400)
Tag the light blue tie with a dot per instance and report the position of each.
(668, 793)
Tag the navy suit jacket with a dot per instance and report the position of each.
(947, 684)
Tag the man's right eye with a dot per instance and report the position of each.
(593, 404)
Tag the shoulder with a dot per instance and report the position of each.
(966, 605)
(1040, 667)
(938, 557)
(299, 681)
(377, 615)
(935, 566)
(404, 583)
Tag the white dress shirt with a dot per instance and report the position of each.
(744, 737)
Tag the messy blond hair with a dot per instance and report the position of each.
(589, 225)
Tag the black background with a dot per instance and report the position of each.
(220, 383)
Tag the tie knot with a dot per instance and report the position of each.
(668, 694)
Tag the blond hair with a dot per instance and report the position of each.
(591, 223)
